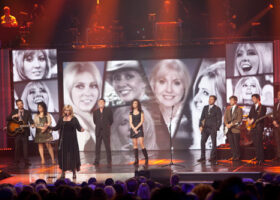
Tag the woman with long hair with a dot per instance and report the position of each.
(245, 88)
(210, 81)
(68, 150)
(82, 88)
(126, 79)
(253, 59)
(170, 82)
(136, 120)
(120, 130)
(43, 136)
(35, 92)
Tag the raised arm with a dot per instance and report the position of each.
(77, 125)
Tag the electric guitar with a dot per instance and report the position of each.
(226, 129)
(249, 127)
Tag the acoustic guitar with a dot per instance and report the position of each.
(17, 127)
(249, 127)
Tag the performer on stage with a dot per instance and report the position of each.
(276, 124)
(257, 111)
(43, 135)
(209, 123)
(25, 117)
(7, 20)
(233, 120)
(68, 150)
(136, 120)
(103, 119)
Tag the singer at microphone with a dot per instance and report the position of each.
(68, 153)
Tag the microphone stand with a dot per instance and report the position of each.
(171, 163)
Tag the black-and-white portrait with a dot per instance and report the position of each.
(210, 80)
(245, 87)
(125, 81)
(82, 85)
(34, 92)
(120, 130)
(34, 64)
(245, 59)
(170, 80)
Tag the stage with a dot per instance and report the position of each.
(122, 168)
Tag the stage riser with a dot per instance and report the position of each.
(215, 176)
(247, 153)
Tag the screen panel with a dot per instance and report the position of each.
(35, 80)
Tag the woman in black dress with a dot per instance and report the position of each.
(68, 149)
(136, 120)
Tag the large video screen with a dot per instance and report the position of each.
(82, 87)
(35, 80)
(172, 93)
(250, 71)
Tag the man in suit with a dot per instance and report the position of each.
(276, 124)
(25, 117)
(233, 120)
(103, 119)
(209, 124)
(257, 111)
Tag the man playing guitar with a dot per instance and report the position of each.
(23, 116)
(233, 120)
(257, 111)
(276, 124)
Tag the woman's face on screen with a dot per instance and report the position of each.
(249, 87)
(34, 65)
(128, 84)
(169, 88)
(205, 89)
(247, 60)
(36, 94)
(85, 91)
(123, 130)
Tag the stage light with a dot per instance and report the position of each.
(271, 6)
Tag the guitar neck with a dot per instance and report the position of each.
(263, 117)
(25, 126)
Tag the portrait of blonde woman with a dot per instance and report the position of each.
(32, 65)
(35, 92)
(170, 82)
(120, 130)
(245, 88)
(209, 81)
(125, 82)
(82, 83)
(253, 59)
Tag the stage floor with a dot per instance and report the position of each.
(123, 168)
